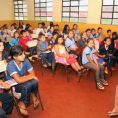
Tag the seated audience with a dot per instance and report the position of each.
(43, 26)
(11, 30)
(99, 31)
(20, 29)
(27, 84)
(88, 33)
(75, 26)
(105, 53)
(23, 40)
(62, 56)
(109, 33)
(93, 33)
(39, 30)
(21, 24)
(51, 24)
(54, 36)
(89, 61)
(27, 25)
(50, 32)
(42, 47)
(82, 40)
(66, 29)
(15, 39)
(70, 43)
(4, 39)
(28, 33)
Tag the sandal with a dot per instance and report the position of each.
(106, 72)
(111, 115)
(35, 107)
(24, 115)
(45, 66)
(112, 68)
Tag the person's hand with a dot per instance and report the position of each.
(110, 54)
(71, 55)
(0, 104)
(6, 86)
(97, 65)
(49, 47)
(5, 62)
(103, 56)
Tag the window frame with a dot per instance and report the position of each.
(74, 11)
(112, 18)
(44, 11)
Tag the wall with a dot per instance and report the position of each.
(93, 21)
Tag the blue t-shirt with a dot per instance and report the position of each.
(87, 51)
(76, 33)
(70, 43)
(92, 36)
(51, 42)
(12, 68)
(14, 41)
(49, 34)
(43, 44)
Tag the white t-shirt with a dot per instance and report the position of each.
(39, 31)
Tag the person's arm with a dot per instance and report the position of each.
(89, 59)
(56, 48)
(95, 60)
(40, 47)
(97, 54)
(71, 49)
(49, 37)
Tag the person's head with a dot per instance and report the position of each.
(90, 43)
(59, 40)
(5, 26)
(54, 35)
(114, 34)
(1, 46)
(75, 26)
(43, 24)
(5, 31)
(27, 25)
(29, 28)
(109, 32)
(74, 31)
(88, 32)
(66, 28)
(51, 28)
(28, 32)
(83, 35)
(99, 30)
(20, 28)
(23, 34)
(93, 31)
(17, 53)
(70, 34)
(42, 37)
(16, 34)
(40, 25)
(51, 23)
(107, 41)
(12, 27)
(21, 23)
(15, 25)
(57, 26)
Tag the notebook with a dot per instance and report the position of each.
(11, 82)
(100, 61)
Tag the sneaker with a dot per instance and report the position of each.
(104, 82)
(100, 86)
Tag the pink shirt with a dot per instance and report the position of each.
(30, 37)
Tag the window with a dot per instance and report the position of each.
(75, 11)
(109, 12)
(20, 9)
(43, 10)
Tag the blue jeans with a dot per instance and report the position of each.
(7, 101)
(45, 56)
(26, 88)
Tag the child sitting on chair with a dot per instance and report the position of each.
(54, 36)
(105, 52)
(43, 51)
(62, 56)
(27, 84)
(70, 43)
(4, 39)
(15, 39)
(29, 32)
(89, 61)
